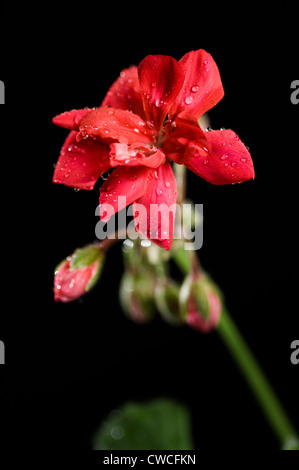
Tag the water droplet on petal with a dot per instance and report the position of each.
(194, 89)
(188, 99)
(167, 184)
(205, 162)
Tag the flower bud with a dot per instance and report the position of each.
(78, 273)
(167, 301)
(136, 295)
(200, 303)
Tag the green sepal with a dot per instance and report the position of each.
(84, 257)
(96, 275)
(200, 296)
(167, 301)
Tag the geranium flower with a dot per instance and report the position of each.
(149, 118)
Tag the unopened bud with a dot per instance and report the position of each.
(78, 273)
(167, 301)
(200, 303)
(136, 296)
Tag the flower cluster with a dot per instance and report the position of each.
(148, 119)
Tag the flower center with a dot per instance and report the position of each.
(167, 127)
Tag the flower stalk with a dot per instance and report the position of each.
(257, 381)
(240, 351)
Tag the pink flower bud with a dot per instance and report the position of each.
(195, 319)
(77, 274)
(137, 295)
(200, 303)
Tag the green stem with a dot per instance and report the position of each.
(259, 384)
(241, 353)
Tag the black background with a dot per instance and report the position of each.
(68, 365)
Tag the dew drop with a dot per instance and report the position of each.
(159, 191)
(117, 432)
(167, 184)
(154, 84)
(223, 157)
(105, 176)
(188, 99)
(194, 89)
(205, 162)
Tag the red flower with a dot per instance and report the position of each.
(149, 117)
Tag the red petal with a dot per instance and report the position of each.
(135, 155)
(125, 92)
(154, 212)
(161, 79)
(227, 161)
(70, 119)
(178, 135)
(202, 87)
(80, 164)
(124, 186)
(115, 124)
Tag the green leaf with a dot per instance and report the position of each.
(160, 424)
